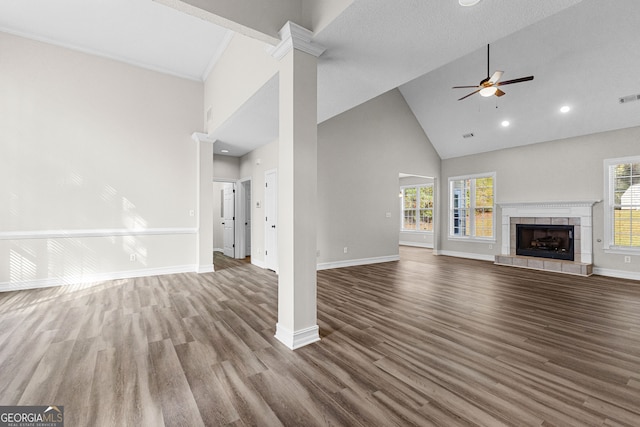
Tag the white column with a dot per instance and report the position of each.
(204, 208)
(297, 187)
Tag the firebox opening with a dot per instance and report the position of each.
(545, 241)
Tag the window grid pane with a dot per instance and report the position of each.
(426, 219)
(625, 187)
(417, 208)
(472, 203)
(410, 199)
(409, 222)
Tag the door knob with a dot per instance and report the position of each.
(273, 226)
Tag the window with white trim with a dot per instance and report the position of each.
(622, 204)
(417, 208)
(471, 207)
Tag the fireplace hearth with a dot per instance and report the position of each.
(545, 241)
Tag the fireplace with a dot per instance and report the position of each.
(545, 241)
(548, 215)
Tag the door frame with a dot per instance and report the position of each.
(274, 266)
(241, 218)
(232, 187)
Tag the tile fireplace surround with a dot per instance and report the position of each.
(578, 214)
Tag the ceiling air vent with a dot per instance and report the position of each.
(629, 98)
(468, 135)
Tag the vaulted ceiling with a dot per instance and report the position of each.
(583, 54)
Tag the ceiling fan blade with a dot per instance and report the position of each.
(466, 96)
(499, 92)
(521, 79)
(496, 76)
(464, 87)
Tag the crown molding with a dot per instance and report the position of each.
(202, 137)
(293, 36)
(100, 54)
(218, 54)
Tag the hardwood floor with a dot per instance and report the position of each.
(221, 261)
(423, 341)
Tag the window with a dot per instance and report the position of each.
(471, 211)
(417, 208)
(622, 204)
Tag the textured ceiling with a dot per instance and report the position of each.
(585, 57)
(377, 45)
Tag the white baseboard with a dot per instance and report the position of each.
(469, 255)
(417, 244)
(94, 277)
(620, 274)
(258, 263)
(299, 338)
(218, 250)
(356, 262)
(206, 268)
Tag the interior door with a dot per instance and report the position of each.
(271, 219)
(247, 218)
(229, 219)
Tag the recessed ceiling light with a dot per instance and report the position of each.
(224, 151)
(505, 123)
(565, 109)
(468, 2)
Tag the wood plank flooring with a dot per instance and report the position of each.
(423, 341)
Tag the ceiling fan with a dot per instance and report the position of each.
(489, 86)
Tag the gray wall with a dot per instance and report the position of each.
(564, 170)
(360, 155)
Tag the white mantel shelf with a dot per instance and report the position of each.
(546, 205)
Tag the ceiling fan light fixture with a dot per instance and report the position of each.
(468, 2)
(488, 91)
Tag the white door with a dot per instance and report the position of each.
(229, 219)
(247, 217)
(271, 219)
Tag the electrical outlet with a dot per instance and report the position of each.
(132, 257)
(192, 212)
(318, 253)
(346, 249)
(627, 259)
(490, 246)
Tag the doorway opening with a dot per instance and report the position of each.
(232, 219)
(418, 209)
